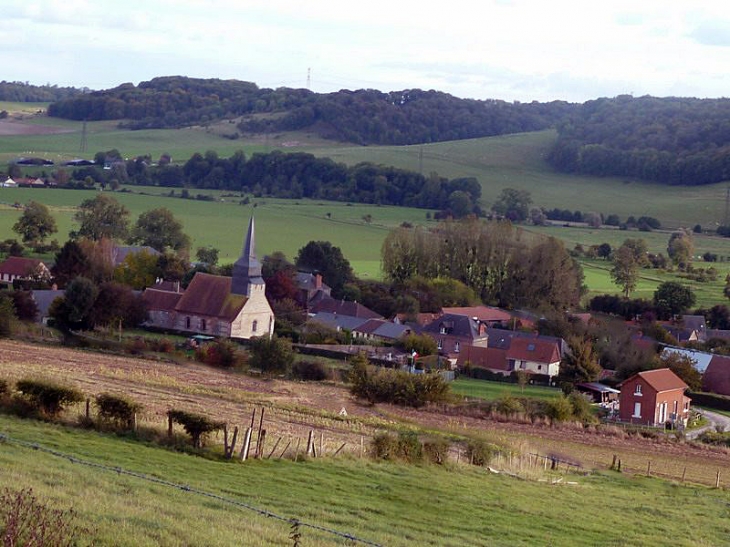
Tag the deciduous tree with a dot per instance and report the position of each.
(35, 224)
(102, 216)
(159, 229)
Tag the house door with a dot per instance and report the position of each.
(662, 413)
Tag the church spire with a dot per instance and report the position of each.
(247, 269)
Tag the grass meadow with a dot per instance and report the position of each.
(385, 503)
(483, 389)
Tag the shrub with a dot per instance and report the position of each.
(136, 345)
(221, 353)
(4, 388)
(162, 345)
(559, 409)
(436, 450)
(405, 447)
(117, 409)
(195, 425)
(581, 406)
(509, 406)
(313, 371)
(46, 397)
(479, 452)
(393, 386)
(271, 355)
(26, 521)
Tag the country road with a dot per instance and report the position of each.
(714, 419)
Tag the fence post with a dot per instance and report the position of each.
(276, 445)
(260, 444)
(717, 480)
(648, 468)
(246, 445)
(88, 408)
(310, 442)
(684, 472)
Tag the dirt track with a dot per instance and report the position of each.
(293, 408)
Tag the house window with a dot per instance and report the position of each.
(539, 367)
(254, 325)
(637, 410)
(457, 347)
(440, 344)
(637, 389)
(203, 324)
(686, 406)
(187, 322)
(442, 330)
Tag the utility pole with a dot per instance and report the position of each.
(83, 137)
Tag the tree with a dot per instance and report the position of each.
(328, 260)
(672, 298)
(271, 355)
(35, 224)
(100, 217)
(138, 270)
(513, 204)
(71, 261)
(116, 302)
(159, 229)
(625, 271)
(604, 251)
(681, 248)
(207, 255)
(7, 316)
(581, 363)
(684, 367)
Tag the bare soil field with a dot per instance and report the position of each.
(10, 128)
(294, 408)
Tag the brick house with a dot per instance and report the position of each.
(654, 398)
(716, 378)
(18, 267)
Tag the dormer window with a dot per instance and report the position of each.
(637, 389)
(442, 330)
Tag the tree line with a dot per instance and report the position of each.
(668, 140)
(364, 116)
(290, 175)
(23, 92)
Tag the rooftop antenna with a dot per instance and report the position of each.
(83, 137)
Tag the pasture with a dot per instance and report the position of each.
(489, 391)
(386, 503)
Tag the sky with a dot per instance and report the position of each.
(513, 50)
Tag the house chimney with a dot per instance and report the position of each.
(317, 281)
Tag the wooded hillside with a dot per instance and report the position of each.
(668, 140)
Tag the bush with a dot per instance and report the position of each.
(48, 398)
(581, 406)
(404, 447)
(479, 452)
(559, 409)
(221, 353)
(117, 409)
(312, 371)
(4, 387)
(436, 450)
(271, 355)
(162, 345)
(398, 387)
(26, 521)
(509, 406)
(195, 425)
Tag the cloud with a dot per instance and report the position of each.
(712, 33)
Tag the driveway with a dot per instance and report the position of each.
(714, 420)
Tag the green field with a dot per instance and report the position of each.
(483, 389)
(389, 504)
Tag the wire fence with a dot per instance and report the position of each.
(295, 524)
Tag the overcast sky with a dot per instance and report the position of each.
(484, 49)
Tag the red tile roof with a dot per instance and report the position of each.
(661, 379)
(534, 349)
(156, 299)
(483, 313)
(491, 358)
(19, 266)
(210, 295)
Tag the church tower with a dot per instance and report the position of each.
(247, 278)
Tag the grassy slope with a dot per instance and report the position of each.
(387, 503)
(483, 389)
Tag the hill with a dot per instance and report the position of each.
(385, 503)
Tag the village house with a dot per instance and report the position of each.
(716, 378)
(232, 307)
(533, 355)
(455, 333)
(654, 398)
(18, 267)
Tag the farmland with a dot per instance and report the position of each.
(391, 504)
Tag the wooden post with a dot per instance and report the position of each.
(339, 449)
(321, 444)
(544, 463)
(260, 445)
(648, 468)
(285, 449)
(246, 445)
(362, 445)
(296, 454)
(276, 445)
(258, 436)
(88, 408)
(169, 426)
(253, 417)
(232, 447)
(310, 442)
(134, 422)
(684, 472)
(613, 463)
(717, 480)
(225, 440)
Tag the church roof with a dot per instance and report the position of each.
(247, 269)
(211, 295)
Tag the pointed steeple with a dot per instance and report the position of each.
(247, 269)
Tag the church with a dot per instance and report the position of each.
(231, 307)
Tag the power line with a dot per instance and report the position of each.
(186, 488)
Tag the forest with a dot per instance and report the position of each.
(667, 140)
(363, 117)
(27, 93)
(288, 175)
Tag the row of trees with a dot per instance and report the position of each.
(362, 116)
(668, 140)
(502, 264)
